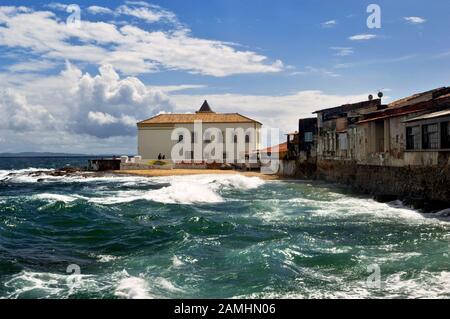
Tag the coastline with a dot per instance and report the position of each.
(186, 172)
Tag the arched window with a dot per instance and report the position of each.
(247, 139)
(235, 139)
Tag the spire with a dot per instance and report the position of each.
(205, 108)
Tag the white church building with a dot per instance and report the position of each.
(157, 136)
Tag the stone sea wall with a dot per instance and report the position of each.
(419, 186)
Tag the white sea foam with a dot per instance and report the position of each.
(345, 206)
(33, 175)
(177, 262)
(166, 285)
(106, 258)
(21, 175)
(132, 288)
(48, 285)
(58, 197)
(425, 285)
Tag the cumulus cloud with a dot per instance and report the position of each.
(102, 106)
(415, 20)
(362, 37)
(17, 114)
(130, 49)
(106, 105)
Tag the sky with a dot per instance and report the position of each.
(76, 76)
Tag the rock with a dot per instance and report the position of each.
(226, 167)
(385, 198)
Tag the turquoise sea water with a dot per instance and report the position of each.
(209, 237)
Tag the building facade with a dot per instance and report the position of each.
(413, 131)
(158, 135)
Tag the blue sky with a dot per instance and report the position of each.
(275, 61)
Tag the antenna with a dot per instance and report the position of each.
(380, 94)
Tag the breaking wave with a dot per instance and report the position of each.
(181, 189)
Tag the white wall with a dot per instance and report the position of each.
(153, 140)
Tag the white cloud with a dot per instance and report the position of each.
(329, 24)
(129, 49)
(17, 114)
(57, 6)
(317, 71)
(177, 88)
(150, 13)
(342, 51)
(415, 20)
(100, 106)
(363, 37)
(138, 3)
(109, 106)
(99, 10)
(32, 66)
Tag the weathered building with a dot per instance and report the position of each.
(302, 144)
(390, 138)
(338, 137)
(400, 150)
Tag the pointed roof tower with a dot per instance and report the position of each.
(205, 108)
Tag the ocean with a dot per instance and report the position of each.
(212, 236)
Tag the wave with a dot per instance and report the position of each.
(132, 288)
(29, 284)
(177, 262)
(32, 175)
(42, 175)
(58, 197)
(443, 213)
(185, 190)
(343, 207)
(426, 285)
